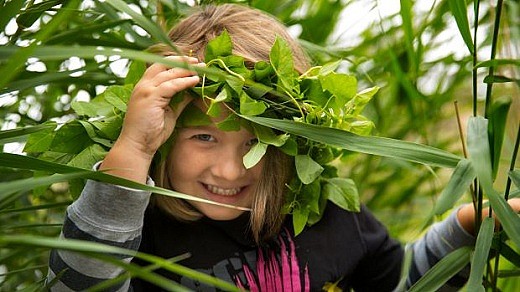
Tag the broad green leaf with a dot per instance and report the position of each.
(193, 116)
(481, 255)
(307, 169)
(41, 141)
(282, 62)
(88, 157)
(251, 107)
(310, 196)
(219, 46)
(94, 108)
(342, 86)
(459, 10)
(460, 180)
(370, 145)
(8, 136)
(342, 192)
(267, 135)
(478, 148)
(118, 96)
(497, 125)
(230, 123)
(254, 155)
(446, 268)
(135, 72)
(300, 216)
(70, 138)
(262, 70)
(357, 104)
(110, 127)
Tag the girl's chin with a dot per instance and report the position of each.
(216, 212)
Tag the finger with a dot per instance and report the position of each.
(169, 88)
(171, 74)
(157, 68)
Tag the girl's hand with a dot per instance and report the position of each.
(466, 214)
(150, 120)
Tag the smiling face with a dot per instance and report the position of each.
(206, 162)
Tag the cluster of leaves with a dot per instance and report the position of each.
(274, 89)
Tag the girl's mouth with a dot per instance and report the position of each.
(221, 191)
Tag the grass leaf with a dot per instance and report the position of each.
(481, 254)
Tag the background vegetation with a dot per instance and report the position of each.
(424, 56)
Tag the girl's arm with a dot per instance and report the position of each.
(444, 237)
(114, 215)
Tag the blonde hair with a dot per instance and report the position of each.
(253, 33)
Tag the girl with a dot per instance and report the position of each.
(255, 249)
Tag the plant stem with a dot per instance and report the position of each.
(475, 59)
(496, 28)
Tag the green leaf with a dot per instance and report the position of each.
(251, 107)
(310, 196)
(94, 108)
(497, 124)
(219, 46)
(342, 192)
(342, 86)
(14, 135)
(135, 72)
(481, 255)
(41, 140)
(88, 157)
(460, 180)
(478, 148)
(29, 16)
(498, 62)
(459, 10)
(193, 116)
(281, 59)
(118, 96)
(230, 123)
(300, 216)
(71, 138)
(9, 11)
(370, 145)
(254, 155)
(266, 135)
(307, 169)
(444, 270)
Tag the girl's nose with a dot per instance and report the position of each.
(229, 165)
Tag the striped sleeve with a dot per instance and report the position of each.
(441, 239)
(104, 213)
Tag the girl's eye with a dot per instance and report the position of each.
(204, 137)
(252, 142)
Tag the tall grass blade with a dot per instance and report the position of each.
(145, 23)
(98, 250)
(30, 163)
(446, 268)
(407, 18)
(497, 126)
(459, 10)
(460, 180)
(371, 145)
(478, 147)
(481, 255)
(17, 60)
(498, 62)
(8, 11)
(15, 134)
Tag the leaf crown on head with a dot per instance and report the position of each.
(275, 90)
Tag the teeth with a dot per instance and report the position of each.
(223, 192)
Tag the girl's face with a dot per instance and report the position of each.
(206, 162)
